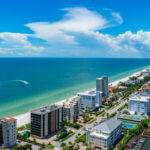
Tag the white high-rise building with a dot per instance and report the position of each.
(71, 109)
(90, 100)
(102, 85)
(139, 104)
(8, 132)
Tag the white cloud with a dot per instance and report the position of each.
(117, 17)
(128, 43)
(75, 21)
(78, 34)
(17, 43)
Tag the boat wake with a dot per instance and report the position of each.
(13, 83)
(23, 81)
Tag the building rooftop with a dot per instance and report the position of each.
(112, 88)
(8, 119)
(87, 93)
(140, 97)
(71, 101)
(147, 87)
(106, 126)
(46, 109)
(132, 117)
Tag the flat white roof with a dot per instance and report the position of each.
(144, 98)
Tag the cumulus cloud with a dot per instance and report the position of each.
(75, 21)
(17, 43)
(78, 34)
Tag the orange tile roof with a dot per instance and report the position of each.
(111, 87)
(140, 92)
(11, 120)
(116, 94)
(108, 99)
(147, 87)
(103, 99)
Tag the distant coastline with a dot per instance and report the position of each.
(25, 117)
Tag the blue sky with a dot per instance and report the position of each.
(75, 28)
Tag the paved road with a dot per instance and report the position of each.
(71, 139)
(110, 111)
(81, 131)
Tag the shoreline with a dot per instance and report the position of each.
(24, 118)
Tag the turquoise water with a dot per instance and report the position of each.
(29, 83)
(24, 132)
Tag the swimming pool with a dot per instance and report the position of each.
(24, 132)
(129, 125)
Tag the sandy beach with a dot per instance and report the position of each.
(24, 119)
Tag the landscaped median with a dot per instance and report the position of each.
(122, 107)
(112, 115)
(93, 120)
(99, 113)
(63, 135)
(64, 139)
(82, 139)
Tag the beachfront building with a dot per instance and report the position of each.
(141, 78)
(132, 82)
(104, 134)
(102, 85)
(90, 100)
(46, 120)
(146, 90)
(8, 132)
(139, 103)
(146, 73)
(71, 109)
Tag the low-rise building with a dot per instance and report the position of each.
(90, 100)
(8, 132)
(139, 103)
(104, 134)
(71, 109)
(132, 82)
(46, 120)
(146, 90)
(146, 73)
(111, 88)
(131, 118)
(141, 78)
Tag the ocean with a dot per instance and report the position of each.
(29, 83)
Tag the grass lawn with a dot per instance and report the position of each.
(64, 139)
(108, 107)
(102, 114)
(91, 121)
